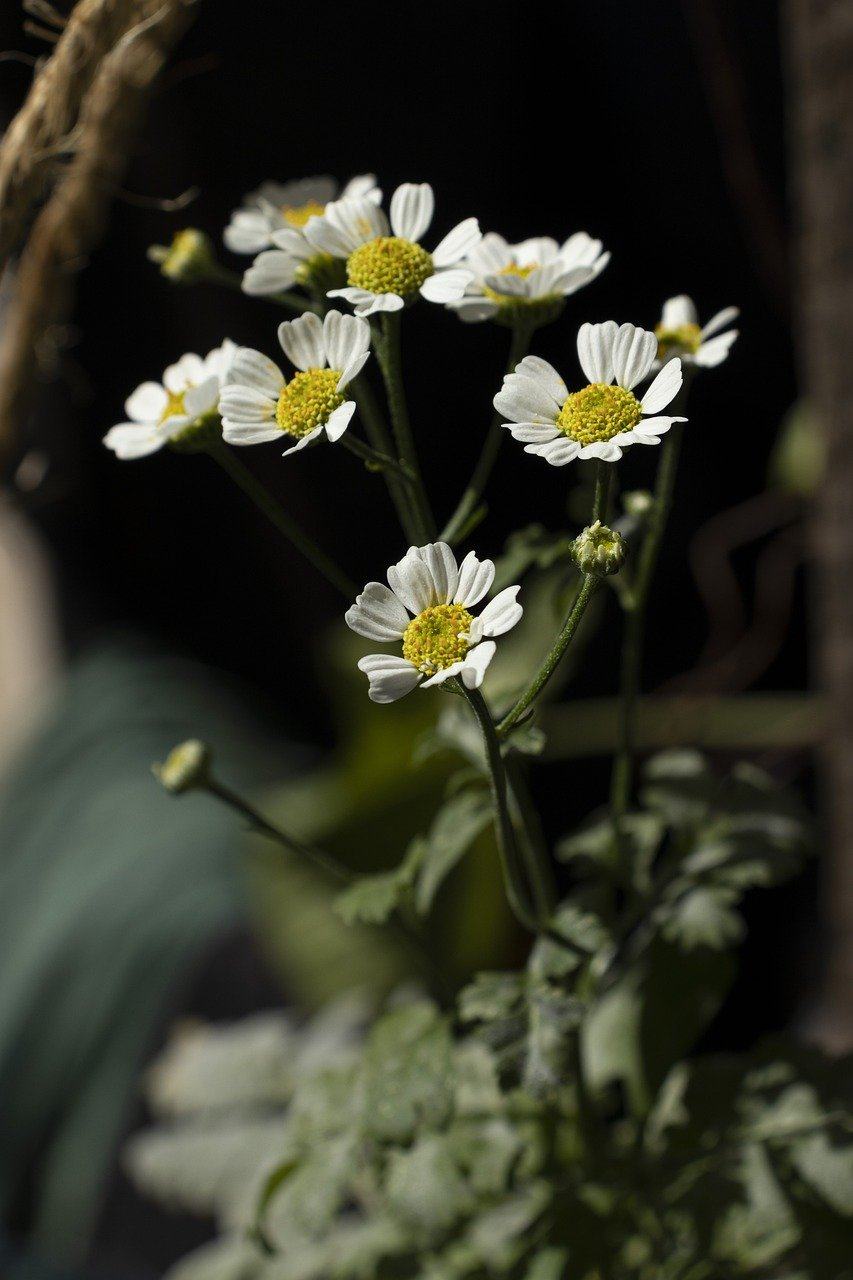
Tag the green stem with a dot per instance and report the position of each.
(323, 861)
(380, 439)
(285, 524)
(380, 461)
(601, 498)
(534, 850)
(513, 873)
(459, 522)
(632, 643)
(217, 274)
(587, 590)
(389, 355)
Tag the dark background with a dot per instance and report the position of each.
(537, 119)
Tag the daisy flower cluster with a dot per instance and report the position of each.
(347, 270)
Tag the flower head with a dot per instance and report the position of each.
(186, 766)
(527, 282)
(172, 411)
(386, 264)
(259, 404)
(679, 334)
(599, 551)
(602, 418)
(427, 605)
(187, 259)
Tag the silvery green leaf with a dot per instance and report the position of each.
(408, 1082)
(795, 1112)
(228, 1258)
(456, 826)
(702, 917)
(828, 1170)
(491, 996)
(547, 1264)
(372, 899)
(669, 1108)
(760, 1231)
(425, 1187)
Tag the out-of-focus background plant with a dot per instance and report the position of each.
(121, 908)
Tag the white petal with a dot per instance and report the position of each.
(366, 303)
(147, 403)
(476, 663)
(541, 371)
(245, 405)
(557, 452)
(568, 282)
(303, 441)
(523, 399)
(441, 562)
(184, 373)
(509, 286)
(390, 677)
(131, 440)
(446, 286)
(502, 613)
(344, 225)
(352, 370)
(543, 281)
(714, 351)
(271, 272)
(720, 320)
(302, 341)
(411, 581)
(678, 311)
(412, 206)
(538, 250)
(532, 432)
(339, 420)
(580, 250)
(346, 338)
(457, 243)
(633, 355)
(475, 580)
(242, 433)
(473, 310)
(664, 388)
(362, 186)
(446, 673)
(293, 243)
(653, 428)
(491, 254)
(203, 398)
(377, 614)
(606, 450)
(217, 363)
(251, 368)
(247, 232)
(595, 350)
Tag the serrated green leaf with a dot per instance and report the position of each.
(425, 1187)
(408, 1080)
(702, 917)
(372, 899)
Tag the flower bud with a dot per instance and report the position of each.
(186, 766)
(598, 550)
(187, 259)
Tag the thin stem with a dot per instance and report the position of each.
(513, 874)
(380, 438)
(389, 355)
(381, 461)
(601, 498)
(285, 523)
(587, 590)
(534, 850)
(459, 522)
(324, 861)
(217, 274)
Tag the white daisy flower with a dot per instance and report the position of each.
(601, 419)
(527, 280)
(259, 404)
(679, 334)
(427, 605)
(386, 264)
(167, 411)
(277, 206)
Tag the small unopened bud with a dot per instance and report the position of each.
(187, 259)
(186, 766)
(638, 502)
(599, 551)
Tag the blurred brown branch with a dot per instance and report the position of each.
(120, 72)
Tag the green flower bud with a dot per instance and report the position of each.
(187, 259)
(187, 766)
(599, 551)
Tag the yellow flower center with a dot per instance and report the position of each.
(296, 215)
(511, 269)
(312, 268)
(437, 638)
(389, 264)
(599, 412)
(308, 401)
(685, 338)
(174, 404)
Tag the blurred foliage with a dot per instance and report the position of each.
(554, 1125)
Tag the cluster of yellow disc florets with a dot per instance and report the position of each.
(297, 215)
(685, 339)
(599, 412)
(438, 637)
(389, 264)
(308, 400)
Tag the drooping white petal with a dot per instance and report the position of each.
(476, 664)
(352, 370)
(501, 614)
(664, 388)
(304, 441)
(595, 350)
(557, 452)
(346, 337)
(243, 433)
(272, 271)
(147, 403)
(412, 207)
(720, 320)
(446, 286)
(441, 562)
(651, 429)
(457, 243)
(606, 450)
(302, 341)
(203, 398)
(633, 355)
(377, 614)
(390, 677)
(544, 373)
(446, 673)
(366, 303)
(251, 368)
(678, 311)
(571, 280)
(474, 310)
(339, 420)
(411, 581)
(532, 432)
(129, 440)
(246, 405)
(475, 580)
(714, 351)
